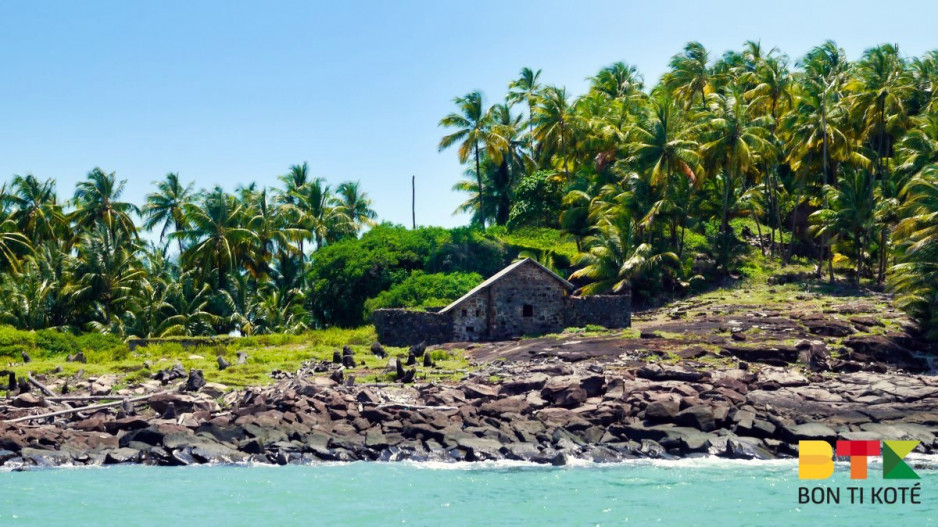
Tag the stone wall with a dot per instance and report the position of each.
(610, 311)
(527, 301)
(403, 327)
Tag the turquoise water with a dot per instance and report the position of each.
(684, 493)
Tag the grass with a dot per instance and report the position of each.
(266, 354)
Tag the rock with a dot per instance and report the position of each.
(183, 403)
(738, 336)
(348, 361)
(826, 326)
(662, 372)
(699, 417)
(427, 361)
(222, 363)
(418, 349)
(214, 389)
(565, 393)
(338, 376)
(28, 400)
(170, 374)
(196, 381)
(409, 376)
(506, 405)
(399, 369)
(807, 431)
(101, 388)
(78, 357)
(747, 448)
(776, 355)
(242, 357)
(411, 359)
(26, 357)
(517, 386)
(880, 348)
(121, 455)
(337, 357)
(476, 391)
(662, 410)
(378, 350)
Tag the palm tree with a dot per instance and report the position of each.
(97, 202)
(355, 205)
(733, 142)
(218, 234)
(851, 214)
(915, 277)
(13, 244)
(617, 81)
(526, 88)
(109, 276)
(34, 208)
(689, 76)
(473, 133)
(882, 87)
(166, 206)
(660, 147)
(613, 258)
(552, 124)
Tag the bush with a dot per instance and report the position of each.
(424, 290)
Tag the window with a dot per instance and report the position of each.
(478, 313)
(470, 329)
(527, 310)
(464, 312)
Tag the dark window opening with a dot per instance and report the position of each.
(463, 312)
(470, 329)
(527, 310)
(478, 313)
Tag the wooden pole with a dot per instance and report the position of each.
(413, 201)
(39, 385)
(81, 409)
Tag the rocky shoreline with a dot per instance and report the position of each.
(543, 411)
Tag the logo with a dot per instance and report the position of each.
(815, 458)
(816, 461)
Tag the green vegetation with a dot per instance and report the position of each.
(739, 165)
(825, 159)
(107, 355)
(425, 290)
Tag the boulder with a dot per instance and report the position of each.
(699, 417)
(662, 410)
(196, 381)
(222, 363)
(807, 431)
(28, 400)
(378, 350)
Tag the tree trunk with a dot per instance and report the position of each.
(794, 218)
(479, 182)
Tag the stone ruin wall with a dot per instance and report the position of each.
(609, 311)
(404, 327)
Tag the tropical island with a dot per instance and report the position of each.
(775, 223)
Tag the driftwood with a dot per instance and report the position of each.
(80, 409)
(414, 406)
(39, 385)
(63, 398)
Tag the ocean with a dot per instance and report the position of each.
(692, 492)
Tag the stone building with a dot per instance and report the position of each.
(524, 298)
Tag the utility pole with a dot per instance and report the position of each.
(413, 201)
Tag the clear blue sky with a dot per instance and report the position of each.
(227, 92)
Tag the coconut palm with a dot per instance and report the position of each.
(473, 133)
(689, 76)
(617, 81)
(552, 124)
(165, 206)
(526, 88)
(97, 201)
(354, 204)
(218, 235)
(851, 216)
(34, 208)
(613, 258)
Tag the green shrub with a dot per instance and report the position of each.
(424, 290)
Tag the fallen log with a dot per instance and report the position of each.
(64, 398)
(39, 385)
(80, 409)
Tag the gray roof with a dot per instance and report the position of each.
(497, 276)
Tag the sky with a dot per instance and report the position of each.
(230, 92)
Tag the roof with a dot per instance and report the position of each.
(504, 272)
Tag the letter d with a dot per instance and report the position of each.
(815, 460)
